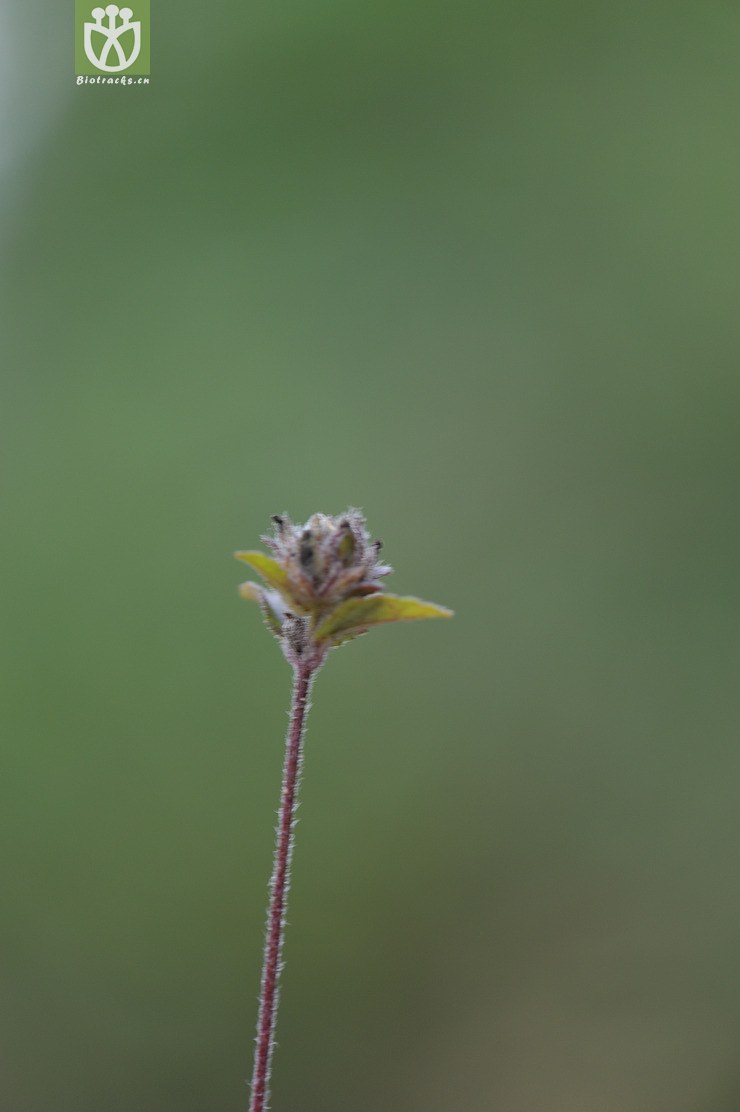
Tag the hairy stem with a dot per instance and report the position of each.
(271, 962)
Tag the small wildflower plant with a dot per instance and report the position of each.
(322, 586)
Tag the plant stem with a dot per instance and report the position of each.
(271, 962)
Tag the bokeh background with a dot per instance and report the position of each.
(475, 269)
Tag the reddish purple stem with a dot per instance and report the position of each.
(272, 963)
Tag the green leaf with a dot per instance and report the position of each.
(343, 638)
(270, 603)
(273, 611)
(359, 613)
(251, 591)
(268, 568)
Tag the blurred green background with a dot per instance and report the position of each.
(475, 269)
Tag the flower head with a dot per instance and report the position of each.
(327, 559)
(323, 585)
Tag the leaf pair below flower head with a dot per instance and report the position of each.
(346, 619)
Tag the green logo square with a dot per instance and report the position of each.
(112, 41)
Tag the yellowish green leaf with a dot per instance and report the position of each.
(360, 613)
(267, 567)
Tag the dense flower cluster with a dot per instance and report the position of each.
(327, 559)
(323, 585)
